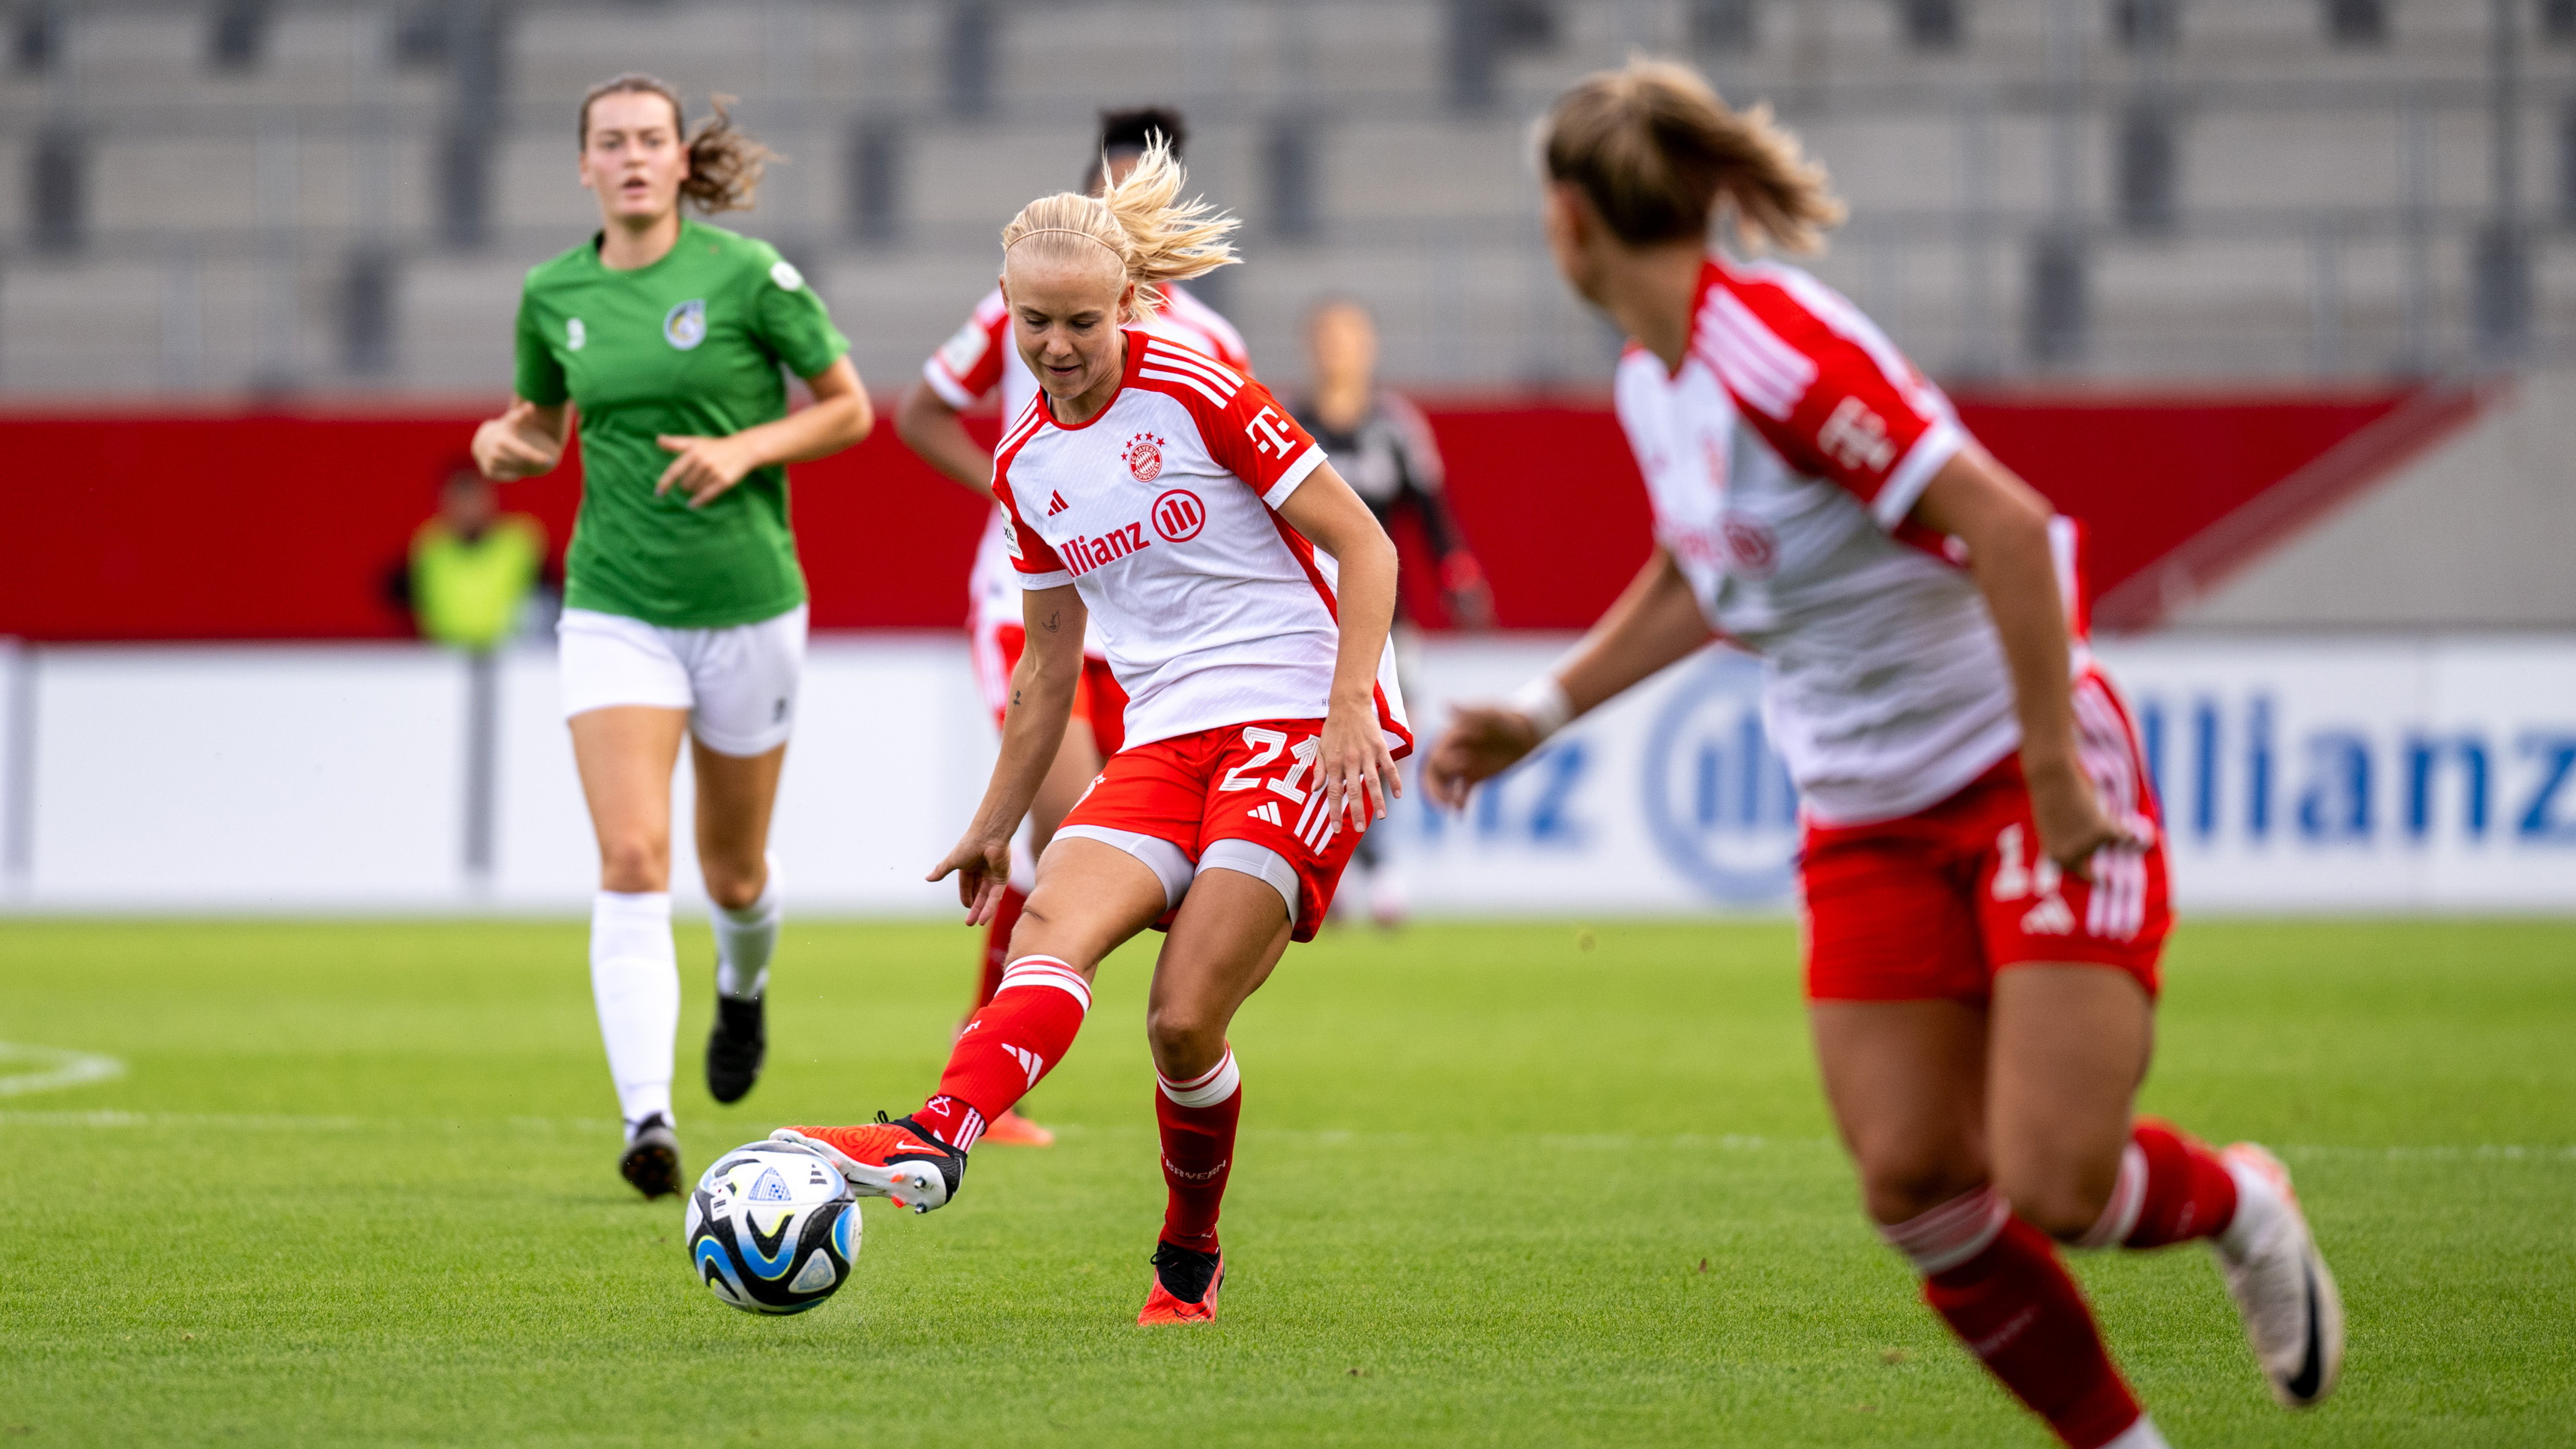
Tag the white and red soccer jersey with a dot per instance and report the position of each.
(1783, 458)
(980, 360)
(1162, 510)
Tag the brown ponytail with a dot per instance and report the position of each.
(725, 162)
(1656, 151)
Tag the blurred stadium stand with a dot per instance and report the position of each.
(2154, 244)
(274, 194)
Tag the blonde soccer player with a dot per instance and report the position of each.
(1243, 594)
(1983, 875)
(979, 363)
(684, 606)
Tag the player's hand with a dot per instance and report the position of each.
(1359, 775)
(705, 469)
(982, 866)
(503, 450)
(1482, 741)
(2072, 823)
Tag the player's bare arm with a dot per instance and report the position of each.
(1359, 771)
(1032, 731)
(2004, 523)
(932, 429)
(1655, 623)
(841, 415)
(523, 442)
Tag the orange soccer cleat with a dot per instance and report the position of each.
(892, 1159)
(1013, 1130)
(1185, 1285)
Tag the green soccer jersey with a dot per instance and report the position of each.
(689, 346)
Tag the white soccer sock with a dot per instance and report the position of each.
(744, 941)
(635, 982)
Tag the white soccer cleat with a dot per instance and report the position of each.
(2293, 1315)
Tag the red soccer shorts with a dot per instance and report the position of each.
(1096, 695)
(1254, 783)
(1930, 906)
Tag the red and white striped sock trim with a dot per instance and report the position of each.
(1046, 971)
(2128, 1194)
(1951, 1234)
(964, 1126)
(1207, 1088)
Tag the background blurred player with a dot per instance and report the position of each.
(472, 568)
(1384, 447)
(975, 365)
(1983, 874)
(684, 611)
(1165, 494)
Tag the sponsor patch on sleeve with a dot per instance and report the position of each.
(784, 273)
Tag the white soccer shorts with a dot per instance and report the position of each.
(738, 684)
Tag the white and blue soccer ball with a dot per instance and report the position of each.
(772, 1228)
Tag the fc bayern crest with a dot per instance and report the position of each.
(1144, 457)
(685, 326)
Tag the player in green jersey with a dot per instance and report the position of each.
(684, 608)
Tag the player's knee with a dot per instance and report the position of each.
(1899, 1183)
(633, 864)
(1182, 1034)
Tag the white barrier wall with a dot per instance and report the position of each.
(2334, 774)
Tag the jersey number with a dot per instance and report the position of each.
(1301, 758)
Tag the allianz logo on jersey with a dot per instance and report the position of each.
(1176, 517)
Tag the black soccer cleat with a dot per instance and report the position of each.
(736, 1046)
(651, 1160)
(1185, 1285)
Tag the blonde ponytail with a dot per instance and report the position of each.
(1655, 151)
(1152, 235)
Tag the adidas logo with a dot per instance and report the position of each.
(2051, 917)
(1267, 810)
(1029, 1061)
(1056, 505)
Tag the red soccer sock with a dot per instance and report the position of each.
(1197, 1118)
(997, 943)
(2182, 1190)
(1997, 1282)
(1006, 1047)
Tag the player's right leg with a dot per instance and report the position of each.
(625, 755)
(1077, 764)
(1091, 896)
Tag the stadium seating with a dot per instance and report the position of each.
(2253, 197)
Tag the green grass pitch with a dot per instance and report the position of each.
(356, 1186)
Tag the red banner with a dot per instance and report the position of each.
(120, 525)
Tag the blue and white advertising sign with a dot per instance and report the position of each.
(2369, 774)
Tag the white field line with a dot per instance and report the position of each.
(54, 1068)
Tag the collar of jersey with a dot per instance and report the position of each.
(1712, 274)
(1126, 379)
(599, 239)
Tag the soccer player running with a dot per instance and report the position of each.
(1984, 880)
(684, 609)
(970, 367)
(1393, 462)
(1243, 593)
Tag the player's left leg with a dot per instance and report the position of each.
(1226, 941)
(736, 797)
(744, 680)
(2070, 1044)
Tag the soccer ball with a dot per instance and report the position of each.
(772, 1228)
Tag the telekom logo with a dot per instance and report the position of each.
(1178, 516)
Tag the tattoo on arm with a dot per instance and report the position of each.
(1052, 621)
